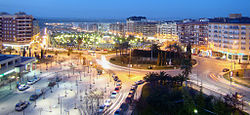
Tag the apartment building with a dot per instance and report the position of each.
(229, 37)
(17, 28)
(167, 28)
(140, 25)
(117, 28)
(193, 31)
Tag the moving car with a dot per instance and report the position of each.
(102, 108)
(113, 94)
(21, 105)
(23, 87)
(107, 102)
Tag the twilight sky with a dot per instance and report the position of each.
(118, 9)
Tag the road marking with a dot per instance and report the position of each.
(214, 77)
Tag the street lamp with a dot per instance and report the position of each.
(80, 76)
(195, 111)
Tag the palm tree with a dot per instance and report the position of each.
(79, 42)
(186, 67)
(154, 48)
(162, 77)
(117, 45)
(151, 78)
(181, 79)
(126, 46)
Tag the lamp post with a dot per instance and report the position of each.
(80, 76)
(129, 62)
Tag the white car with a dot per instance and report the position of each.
(23, 87)
(33, 81)
(107, 102)
(113, 94)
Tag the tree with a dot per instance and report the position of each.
(9, 49)
(41, 53)
(181, 78)
(117, 45)
(69, 51)
(126, 46)
(151, 77)
(24, 52)
(154, 48)
(186, 67)
(79, 42)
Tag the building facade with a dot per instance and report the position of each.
(193, 31)
(17, 28)
(229, 38)
(93, 27)
(168, 27)
(140, 25)
(117, 28)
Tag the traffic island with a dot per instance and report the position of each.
(239, 76)
(147, 64)
(140, 63)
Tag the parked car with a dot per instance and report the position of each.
(102, 108)
(225, 70)
(131, 92)
(134, 86)
(116, 79)
(49, 56)
(58, 79)
(33, 81)
(23, 87)
(37, 94)
(107, 102)
(132, 89)
(52, 84)
(21, 105)
(113, 75)
(113, 94)
(119, 85)
(128, 99)
(117, 89)
(218, 58)
(117, 112)
(123, 107)
(139, 82)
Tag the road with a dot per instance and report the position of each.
(209, 70)
(206, 72)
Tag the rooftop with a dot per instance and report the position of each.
(5, 57)
(241, 20)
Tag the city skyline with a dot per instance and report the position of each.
(121, 9)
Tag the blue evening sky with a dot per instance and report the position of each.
(170, 9)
